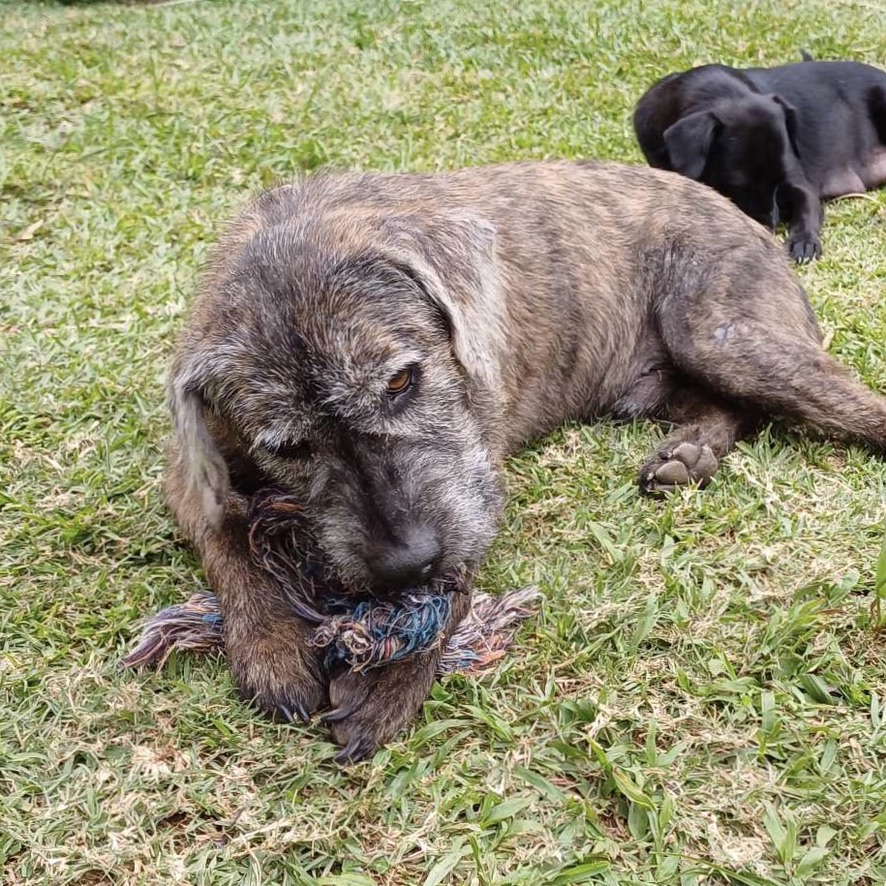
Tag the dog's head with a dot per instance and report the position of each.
(745, 148)
(352, 357)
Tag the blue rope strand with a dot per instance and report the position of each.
(368, 633)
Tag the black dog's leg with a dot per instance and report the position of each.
(802, 208)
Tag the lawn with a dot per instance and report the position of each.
(702, 699)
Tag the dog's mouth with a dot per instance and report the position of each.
(282, 544)
(454, 581)
(356, 628)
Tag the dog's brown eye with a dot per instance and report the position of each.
(400, 382)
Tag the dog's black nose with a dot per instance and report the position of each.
(410, 562)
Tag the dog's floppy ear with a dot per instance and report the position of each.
(203, 465)
(452, 258)
(790, 121)
(689, 140)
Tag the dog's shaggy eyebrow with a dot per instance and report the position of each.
(282, 433)
(368, 380)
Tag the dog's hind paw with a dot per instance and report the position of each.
(684, 464)
(804, 247)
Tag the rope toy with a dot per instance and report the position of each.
(357, 633)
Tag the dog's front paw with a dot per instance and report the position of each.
(804, 246)
(670, 468)
(369, 709)
(277, 671)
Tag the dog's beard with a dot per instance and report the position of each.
(461, 502)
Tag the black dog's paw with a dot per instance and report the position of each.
(670, 468)
(369, 709)
(804, 247)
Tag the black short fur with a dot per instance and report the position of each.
(776, 141)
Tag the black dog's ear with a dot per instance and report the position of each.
(790, 120)
(689, 140)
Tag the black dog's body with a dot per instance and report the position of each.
(776, 141)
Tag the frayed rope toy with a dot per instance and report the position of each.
(359, 634)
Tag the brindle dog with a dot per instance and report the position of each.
(376, 344)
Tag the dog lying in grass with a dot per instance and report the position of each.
(776, 141)
(349, 633)
(376, 345)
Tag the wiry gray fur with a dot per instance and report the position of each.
(522, 295)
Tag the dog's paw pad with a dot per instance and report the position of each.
(700, 461)
(671, 473)
(686, 463)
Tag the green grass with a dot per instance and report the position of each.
(703, 698)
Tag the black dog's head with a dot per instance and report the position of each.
(343, 356)
(743, 147)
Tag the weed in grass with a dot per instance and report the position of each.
(880, 590)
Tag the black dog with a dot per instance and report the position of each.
(776, 141)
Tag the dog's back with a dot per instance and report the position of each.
(677, 95)
(834, 79)
(841, 117)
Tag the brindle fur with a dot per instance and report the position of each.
(524, 295)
